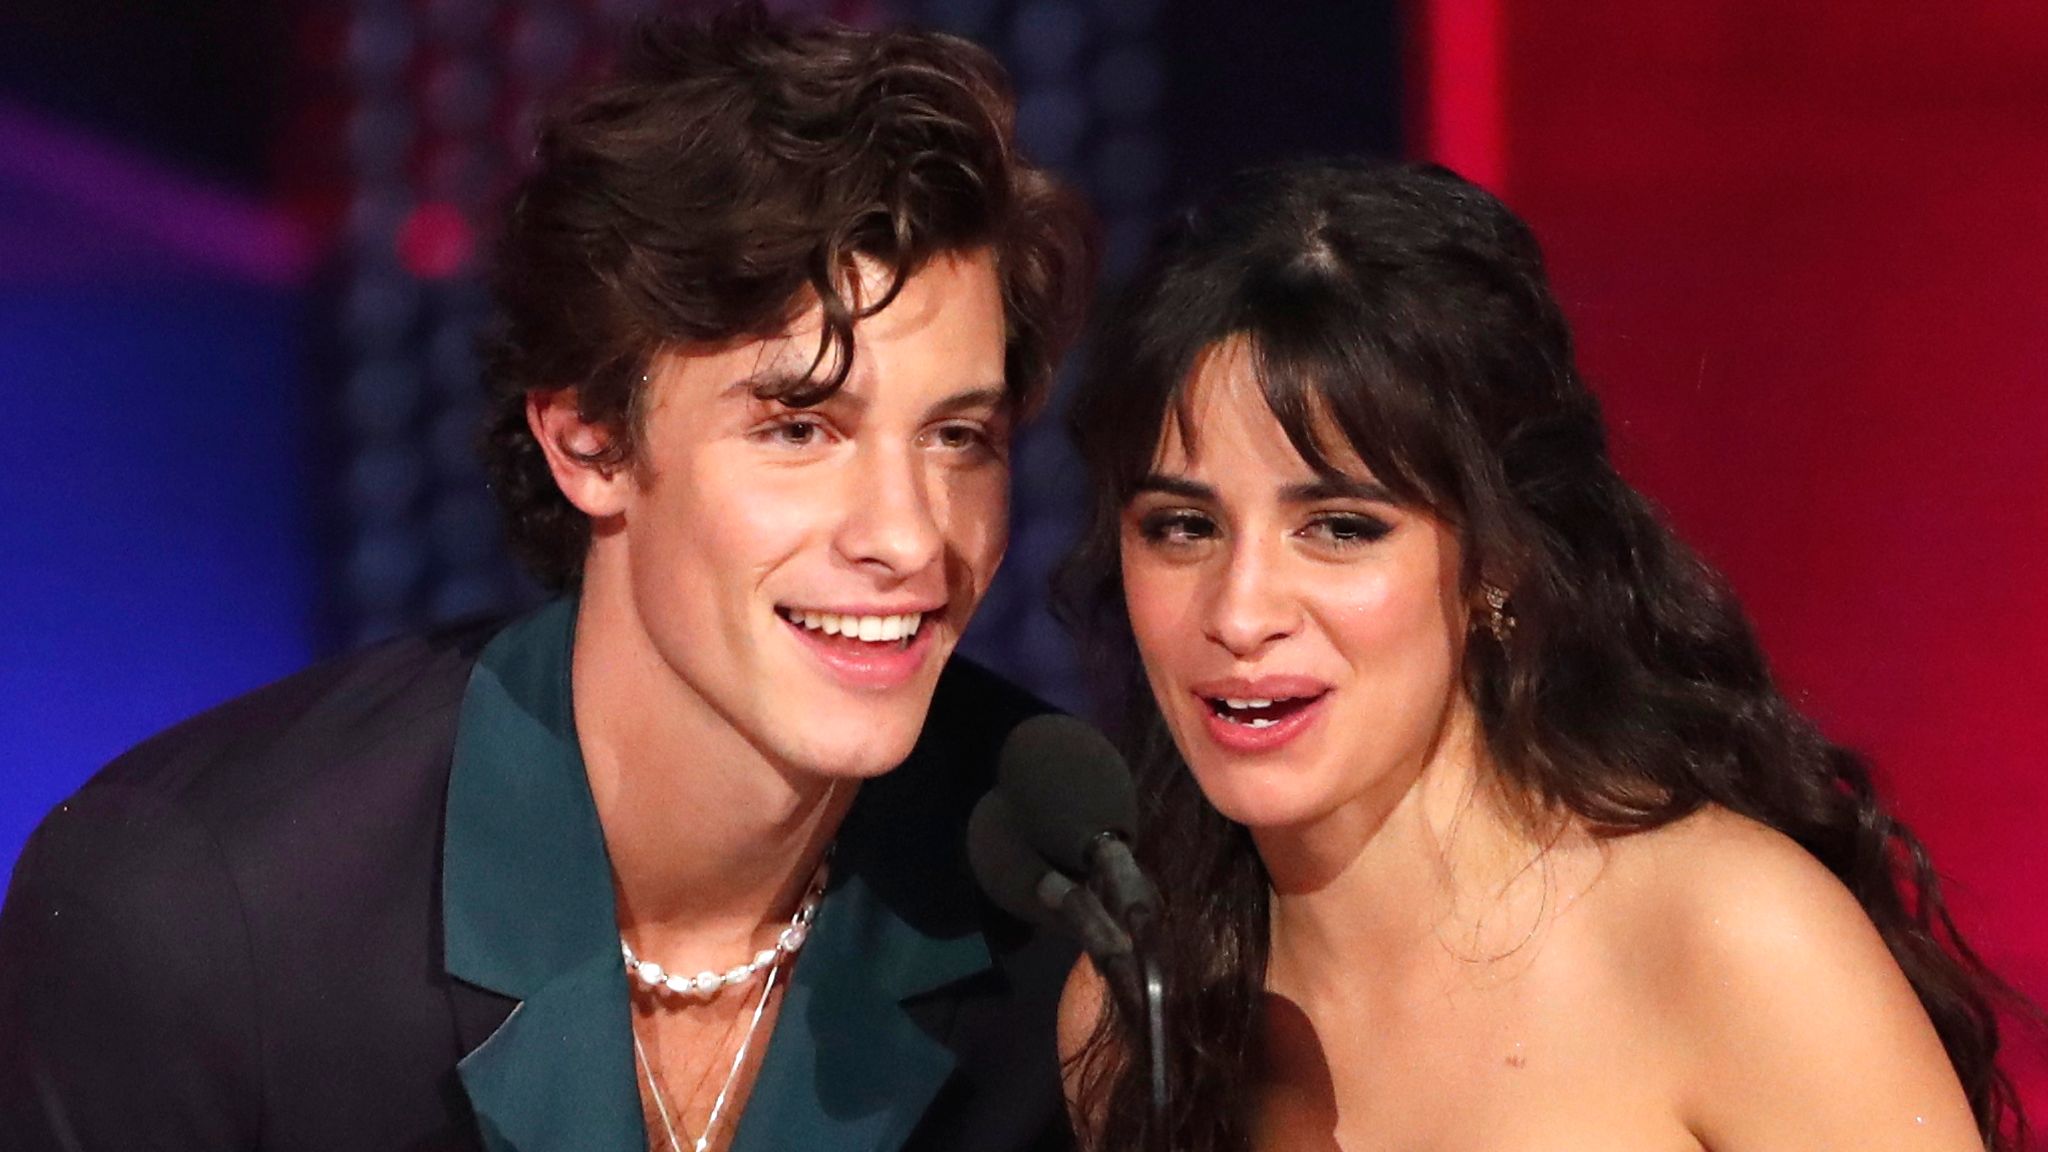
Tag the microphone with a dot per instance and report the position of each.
(1021, 883)
(1074, 802)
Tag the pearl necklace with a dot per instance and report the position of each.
(706, 984)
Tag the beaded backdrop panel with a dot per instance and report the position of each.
(430, 107)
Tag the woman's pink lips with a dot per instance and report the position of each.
(1237, 737)
(871, 666)
(1268, 687)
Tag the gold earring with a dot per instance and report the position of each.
(1499, 620)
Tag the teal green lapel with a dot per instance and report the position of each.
(858, 1050)
(527, 907)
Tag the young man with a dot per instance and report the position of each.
(769, 306)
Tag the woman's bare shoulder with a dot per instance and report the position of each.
(1773, 990)
(1083, 1002)
(1710, 901)
(1716, 872)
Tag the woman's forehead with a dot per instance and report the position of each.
(1224, 411)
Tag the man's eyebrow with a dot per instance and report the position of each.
(755, 384)
(776, 384)
(770, 384)
(972, 398)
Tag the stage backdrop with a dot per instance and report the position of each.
(1806, 251)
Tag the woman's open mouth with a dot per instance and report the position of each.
(1260, 723)
(1259, 712)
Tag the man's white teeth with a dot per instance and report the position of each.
(1241, 705)
(869, 628)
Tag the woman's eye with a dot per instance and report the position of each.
(1349, 528)
(1175, 527)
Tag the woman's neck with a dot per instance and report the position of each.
(1438, 863)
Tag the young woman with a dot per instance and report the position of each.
(1482, 823)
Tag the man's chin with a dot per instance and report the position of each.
(854, 742)
(851, 764)
(844, 731)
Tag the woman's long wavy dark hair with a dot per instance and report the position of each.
(1409, 310)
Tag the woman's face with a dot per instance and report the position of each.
(1302, 636)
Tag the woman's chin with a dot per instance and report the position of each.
(1255, 799)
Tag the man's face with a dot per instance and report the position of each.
(801, 574)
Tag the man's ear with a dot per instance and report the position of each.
(570, 442)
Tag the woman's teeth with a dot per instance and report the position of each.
(873, 629)
(1256, 712)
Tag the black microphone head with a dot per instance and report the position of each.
(1005, 865)
(1067, 785)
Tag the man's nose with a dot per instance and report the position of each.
(889, 522)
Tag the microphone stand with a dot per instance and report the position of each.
(1155, 1032)
(1128, 963)
(1135, 902)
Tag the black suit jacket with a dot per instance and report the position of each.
(369, 908)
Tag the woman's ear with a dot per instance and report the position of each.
(574, 447)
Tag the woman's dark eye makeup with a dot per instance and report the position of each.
(1175, 525)
(1351, 527)
(1181, 525)
(1331, 511)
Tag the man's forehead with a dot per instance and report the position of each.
(945, 324)
(744, 368)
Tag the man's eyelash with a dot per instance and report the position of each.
(780, 427)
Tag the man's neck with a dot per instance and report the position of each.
(707, 837)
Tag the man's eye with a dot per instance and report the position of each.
(797, 432)
(969, 439)
(958, 436)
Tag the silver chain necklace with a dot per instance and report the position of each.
(739, 1059)
(707, 984)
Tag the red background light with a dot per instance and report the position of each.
(1805, 251)
(435, 242)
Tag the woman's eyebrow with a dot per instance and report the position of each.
(1307, 492)
(1336, 488)
(1173, 486)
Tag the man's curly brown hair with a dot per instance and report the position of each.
(719, 187)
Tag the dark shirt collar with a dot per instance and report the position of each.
(528, 914)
